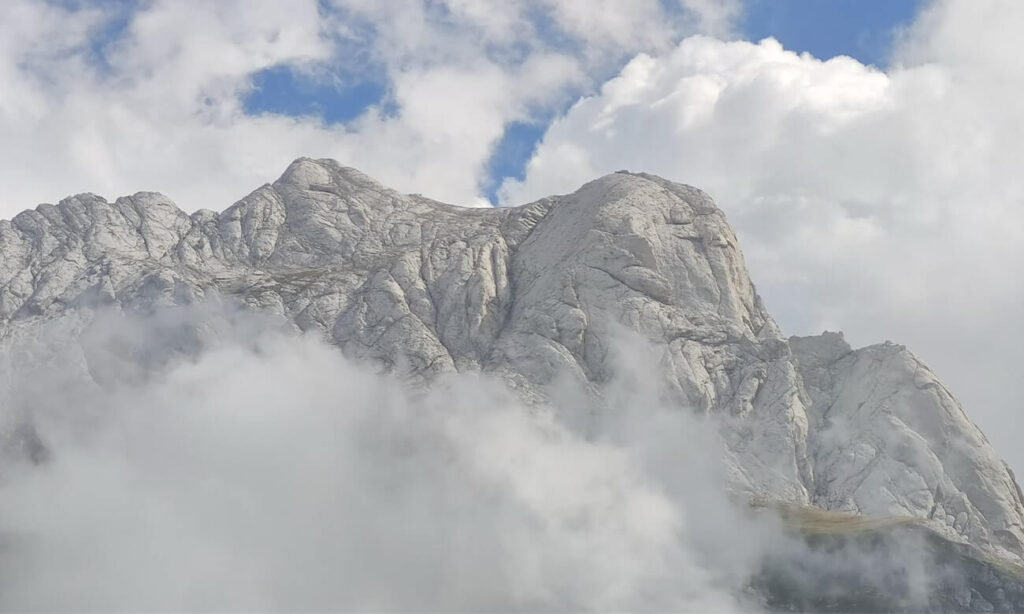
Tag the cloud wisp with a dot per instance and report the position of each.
(202, 457)
(267, 471)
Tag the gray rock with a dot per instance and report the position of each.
(531, 293)
(887, 438)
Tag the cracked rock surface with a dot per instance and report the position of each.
(531, 293)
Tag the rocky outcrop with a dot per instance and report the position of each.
(887, 438)
(531, 293)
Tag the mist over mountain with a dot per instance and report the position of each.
(334, 395)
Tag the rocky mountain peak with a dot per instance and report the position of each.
(534, 292)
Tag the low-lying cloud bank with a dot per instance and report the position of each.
(267, 471)
(224, 463)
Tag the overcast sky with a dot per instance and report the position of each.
(868, 154)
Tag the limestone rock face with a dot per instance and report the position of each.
(887, 438)
(530, 294)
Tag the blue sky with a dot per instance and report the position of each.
(862, 29)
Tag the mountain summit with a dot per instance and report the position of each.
(534, 292)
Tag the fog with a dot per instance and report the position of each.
(201, 458)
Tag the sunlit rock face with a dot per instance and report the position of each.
(887, 438)
(535, 294)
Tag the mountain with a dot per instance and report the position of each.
(531, 294)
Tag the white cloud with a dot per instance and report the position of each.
(163, 111)
(886, 204)
(714, 17)
(267, 472)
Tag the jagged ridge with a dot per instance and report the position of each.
(532, 291)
